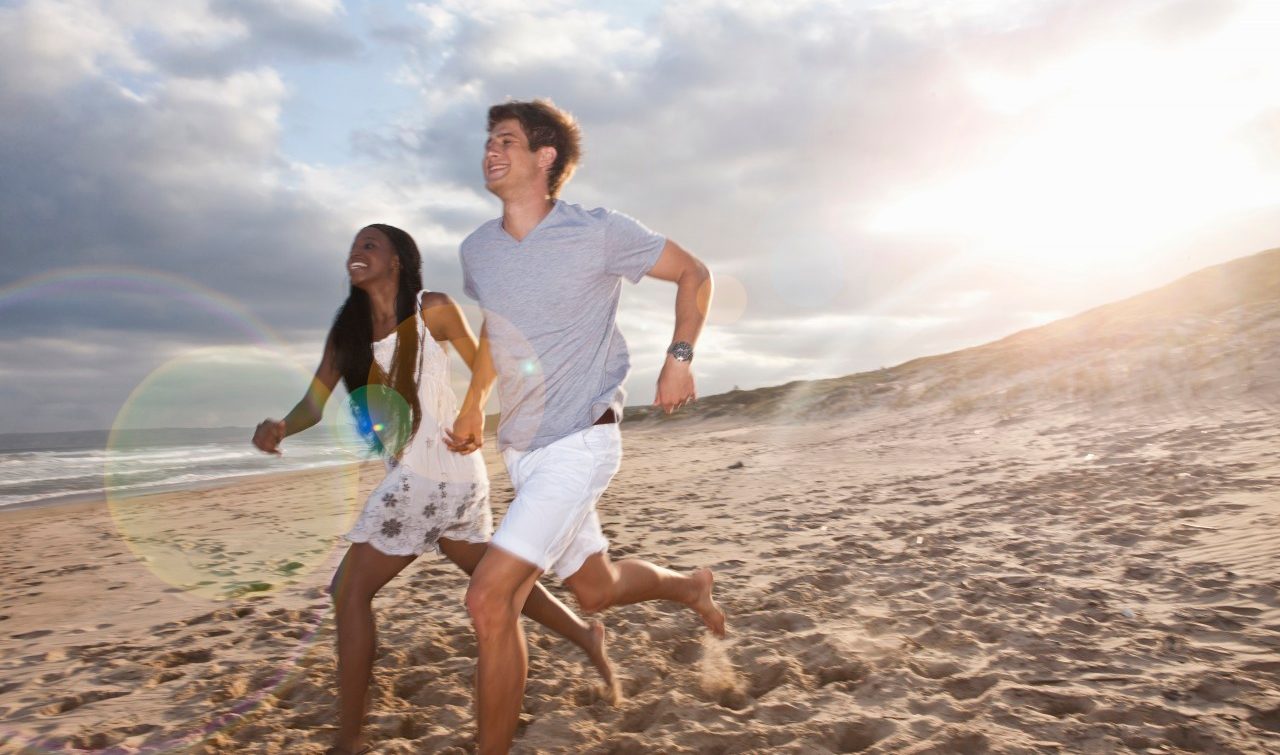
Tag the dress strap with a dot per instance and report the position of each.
(424, 333)
(427, 340)
(421, 317)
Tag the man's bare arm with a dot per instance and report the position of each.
(693, 299)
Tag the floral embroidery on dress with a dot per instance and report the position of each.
(428, 492)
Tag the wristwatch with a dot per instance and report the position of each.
(681, 350)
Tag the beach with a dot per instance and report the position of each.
(992, 587)
(1063, 541)
(967, 316)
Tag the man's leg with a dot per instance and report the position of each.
(499, 588)
(601, 583)
(547, 610)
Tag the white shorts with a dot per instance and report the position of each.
(552, 522)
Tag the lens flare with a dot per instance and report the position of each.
(220, 544)
(223, 542)
(729, 302)
(519, 358)
(375, 421)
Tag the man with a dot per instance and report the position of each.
(548, 276)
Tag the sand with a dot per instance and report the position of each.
(992, 551)
(992, 587)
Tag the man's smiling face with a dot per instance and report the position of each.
(508, 162)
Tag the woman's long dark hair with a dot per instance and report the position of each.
(352, 337)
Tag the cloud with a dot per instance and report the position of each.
(849, 164)
(115, 161)
(184, 178)
(121, 162)
(770, 138)
(216, 37)
(163, 383)
(756, 135)
(54, 45)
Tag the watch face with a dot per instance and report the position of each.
(681, 350)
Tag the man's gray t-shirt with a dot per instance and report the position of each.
(550, 307)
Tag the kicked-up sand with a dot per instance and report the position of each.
(1012, 549)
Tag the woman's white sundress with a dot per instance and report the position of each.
(430, 492)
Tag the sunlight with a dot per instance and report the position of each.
(1128, 147)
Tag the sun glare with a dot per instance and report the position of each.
(1129, 146)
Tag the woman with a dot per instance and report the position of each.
(387, 338)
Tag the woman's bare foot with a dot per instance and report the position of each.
(599, 656)
(704, 604)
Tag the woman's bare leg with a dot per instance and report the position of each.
(547, 610)
(364, 570)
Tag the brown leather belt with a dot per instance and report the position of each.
(608, 418)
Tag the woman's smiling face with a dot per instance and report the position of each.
(372, 259)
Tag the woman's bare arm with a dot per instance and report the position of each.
(308, 411)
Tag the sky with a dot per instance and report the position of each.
(869, 181)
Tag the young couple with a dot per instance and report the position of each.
(547, 276)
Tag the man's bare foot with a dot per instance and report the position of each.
(599, 656)
(705, 605)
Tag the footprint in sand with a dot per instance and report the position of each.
(184, 657)
(93, 742)
(778, 622)
(164, 677)
(934, 669)
(1055, 704)
(857, 736)
(768, 676)
(75, 701)
(956, 741)
(641, 719)
(1267, 719)
(1264, 667)
(32, 635)
(967, 688)
(1193, 739)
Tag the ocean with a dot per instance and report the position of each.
(47, 467)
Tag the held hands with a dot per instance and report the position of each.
(467, 435)
(675, 385)
(268, 435)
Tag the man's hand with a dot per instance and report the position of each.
(268, 435)
(675, 385)
(468, 432)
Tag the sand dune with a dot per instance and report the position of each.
(1208, 338)
(989, 551)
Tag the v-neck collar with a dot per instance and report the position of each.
(555, 207)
